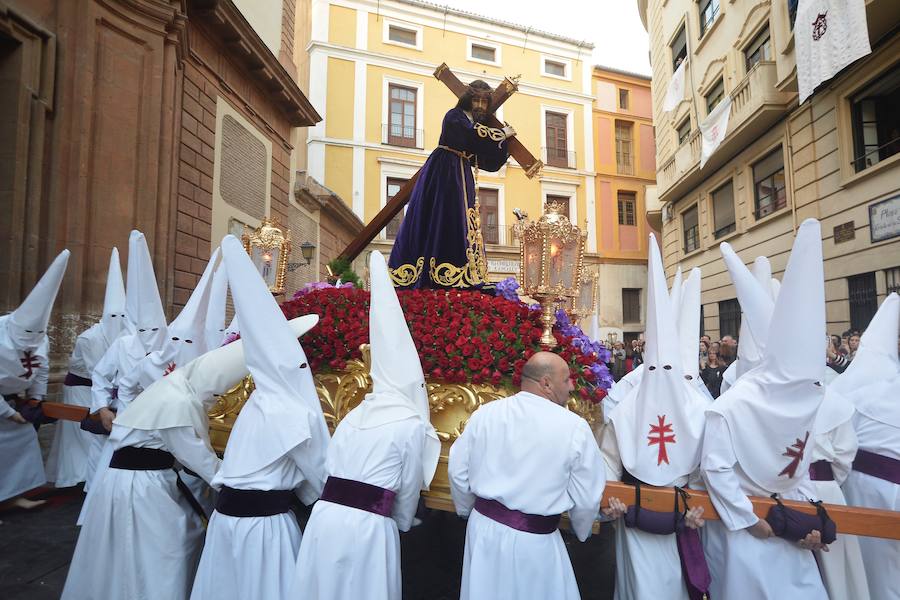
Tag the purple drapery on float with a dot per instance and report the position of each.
(438, 245)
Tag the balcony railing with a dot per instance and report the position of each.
(407, 137)
(756, 105)
(559, 157)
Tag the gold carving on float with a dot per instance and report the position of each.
(451, 406)
(407, 274)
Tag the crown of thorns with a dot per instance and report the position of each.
(479, 88)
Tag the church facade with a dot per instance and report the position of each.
(372, 64)
(175, 117)
(836, 157)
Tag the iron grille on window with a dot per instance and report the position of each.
(709, 10)
(769, 184)
(729, 318)
(892, 277)
(876, 121)
(863, 300)
(631, 305)
(627, 201)
(691, 229)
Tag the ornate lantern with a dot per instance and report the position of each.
(551, 261)
(585, 303)
(269, 246)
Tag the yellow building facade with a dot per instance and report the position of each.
(370, 72)
(625, 163)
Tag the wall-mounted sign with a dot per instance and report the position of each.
(884, 219)
(844, 232)
(498, 265)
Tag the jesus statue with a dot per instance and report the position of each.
(439, 244)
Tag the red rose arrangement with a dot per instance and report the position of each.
(461, 336)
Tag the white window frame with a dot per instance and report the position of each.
(563, 61)
(419, 86)
(485, 44)
(386, 38)
(570, 132)
(391, 171)
(559, 188)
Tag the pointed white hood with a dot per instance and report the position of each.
(284, 410)
(399, 391)
(659, 425)
(185, 397)
(870, 382)
(142, 302)
(689, 325)
(113, 322)
(675, 291)
(186, 339)
(215, 313)
(757, 303)
(771, 410)
(27, 325)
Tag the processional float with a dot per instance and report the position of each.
(551, 272)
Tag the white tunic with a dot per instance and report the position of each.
(536, 457)
(741, 565)
(881, 556)
(141, 539)
(255, 557)
(647, 564)
(67, 463)
(365, 544)
(842, 567)
(23, 468)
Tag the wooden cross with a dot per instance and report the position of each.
(517, 150)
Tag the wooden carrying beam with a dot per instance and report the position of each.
(850, 520)
(66, 412)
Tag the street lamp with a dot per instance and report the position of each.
(551, 260)
(307, 250)
(269, 246)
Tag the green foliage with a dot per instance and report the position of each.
(341, 269)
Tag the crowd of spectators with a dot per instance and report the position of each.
(716, 357)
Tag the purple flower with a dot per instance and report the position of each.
(318, 285)
(507, 289)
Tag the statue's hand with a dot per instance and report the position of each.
(508, 130)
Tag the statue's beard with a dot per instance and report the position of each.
(479, 115)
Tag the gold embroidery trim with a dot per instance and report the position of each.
(474, 272)
(494, 134)
(407, 274)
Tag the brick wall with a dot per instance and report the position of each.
(209, 74)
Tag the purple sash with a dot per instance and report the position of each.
(821, 471)
(694, 568)
(75, 380)
(882, 467)
(517, 519)
(360, 495)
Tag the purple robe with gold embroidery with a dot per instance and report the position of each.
(438, 245)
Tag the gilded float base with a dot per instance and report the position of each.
(451, 406)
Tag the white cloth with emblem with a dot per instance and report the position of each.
(67, 463)
(655, 432)
(877, 425)
(24, 347)
(534, 456)
(279, 442)
(387, 441)
(757, 440)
